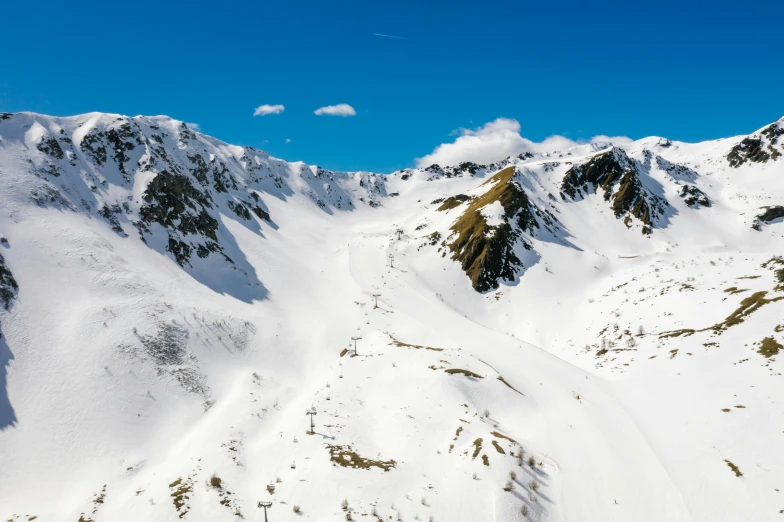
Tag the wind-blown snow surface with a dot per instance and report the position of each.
(167, 337)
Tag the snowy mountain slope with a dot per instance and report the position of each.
(176, 304)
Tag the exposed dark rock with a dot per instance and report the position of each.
(8, 286)
(749, 149)
(755, 149)
(94, 147)
(769, 214)
(109, 213)
(694, 197)
(221, 177)
(51, 147)
(48, 195)
(676, 170)
(174, 203)
(200, 170)
(239, 209)
(618, 177)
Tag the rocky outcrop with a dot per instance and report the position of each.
(758, 148)
(486, 252)
(618, 177)
(694, 197)
(8, 286)
(150, 172)
(767, 215)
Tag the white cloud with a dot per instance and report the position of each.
(193, 126)
(263, 110)
(341, 109)
(288, 140)
(497, 140)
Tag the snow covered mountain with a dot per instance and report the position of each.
(586, 334)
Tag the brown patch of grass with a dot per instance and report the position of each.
(500, 378)
(735, 290)
(453, 202)
(483, 250)
(216, 482)
(673, 353)
(498, 447)
(271, 489)
(750, 277)
(777, 272)
(477, 447)
(485, 460)
(467, 373)
(769, 347)
(677, 333)
(181, 490)
(734, 468)
(343, 352)
(457, 433)
(348, 458)
(502, 436)
(748, 306)
(401, 344)
(725, 410)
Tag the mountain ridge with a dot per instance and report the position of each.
(582, 334)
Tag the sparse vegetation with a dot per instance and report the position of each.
(734, 468)
(401, 344)
(348, 458)
(180, 493)
(502, 436)
(769, 347)
(477, 447)
(500, 378)
(486, 253)
(467, 373)
(453, 201)
(748, 306)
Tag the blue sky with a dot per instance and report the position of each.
(686, 70)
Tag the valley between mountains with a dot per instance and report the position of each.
(577, 335)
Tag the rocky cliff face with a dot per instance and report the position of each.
(618, 178)
(156, 179)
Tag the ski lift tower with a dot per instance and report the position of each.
(264, 505)
(312, 412)
(355, 339)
